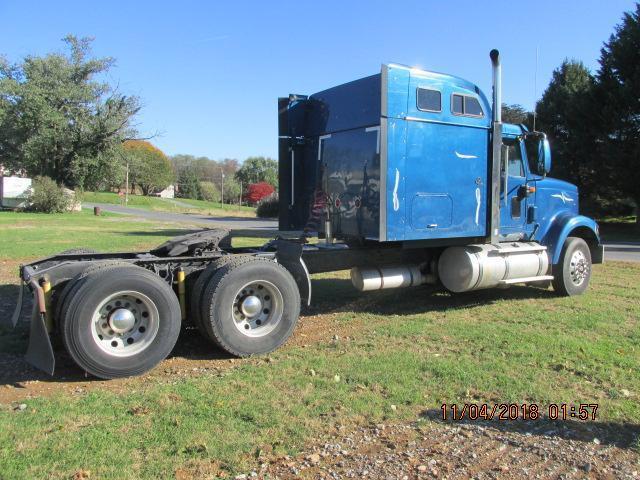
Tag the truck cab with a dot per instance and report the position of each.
(534, 205)
(421, 160)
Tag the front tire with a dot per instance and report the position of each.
(120, 322)
(250, 306)
(573, 273)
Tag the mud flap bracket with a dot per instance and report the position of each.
(289, 255)
(40, 351)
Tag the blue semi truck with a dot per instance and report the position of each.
(407, 177)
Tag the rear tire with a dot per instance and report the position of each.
(573, 272)
(199, 286)
(120, 321)
(251, 306)
(62, 291)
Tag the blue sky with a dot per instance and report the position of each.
(209, 73)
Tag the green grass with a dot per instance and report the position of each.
(169, 205)
(32, 235)
(415, 348)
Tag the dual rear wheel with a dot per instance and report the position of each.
(119, 320)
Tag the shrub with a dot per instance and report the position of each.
(47, 196)
(257, 191)
(209, 192)
(268, 206)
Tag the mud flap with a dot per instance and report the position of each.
(40, 352)
(289, 255)
(18, 310)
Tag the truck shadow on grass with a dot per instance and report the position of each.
(330, 295)
(621, 435)
(333, 295)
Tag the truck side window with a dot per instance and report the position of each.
(466, 105)
(472, 107)
(511, 152)
(429, 100)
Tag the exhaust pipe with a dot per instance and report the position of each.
(497, 85)
(373, 278)
(493, 236)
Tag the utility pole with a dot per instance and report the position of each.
(126, 188)
(222, 187)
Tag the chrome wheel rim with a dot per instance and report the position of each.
(578, 268)
(125, 323)
(257, 308)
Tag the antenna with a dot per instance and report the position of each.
(535, 90)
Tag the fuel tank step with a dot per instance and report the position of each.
(540, 278)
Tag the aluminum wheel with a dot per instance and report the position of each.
(125, 323)
(578, 267)
(257, 308)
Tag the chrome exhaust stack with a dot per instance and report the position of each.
(497, 85)
(493, 235)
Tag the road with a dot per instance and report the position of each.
(622, 251)
(230, 222)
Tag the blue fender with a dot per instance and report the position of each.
(561, 227)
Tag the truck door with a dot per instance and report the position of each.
(513, 198)
(445, 169)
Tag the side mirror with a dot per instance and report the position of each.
(544, 155)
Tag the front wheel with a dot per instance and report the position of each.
(573, 272)
(120, 321)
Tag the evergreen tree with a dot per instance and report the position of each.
(618, 102)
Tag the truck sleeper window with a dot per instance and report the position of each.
(466, 105)
(429, 100)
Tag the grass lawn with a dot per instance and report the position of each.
(170, 205)
(32, 235)
(414, 349)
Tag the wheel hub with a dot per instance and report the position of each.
(251, 306)
(122, 320)
(579, 267)
(125, 323)
(258, 308)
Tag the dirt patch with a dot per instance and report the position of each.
(9, 271)
(193, 356)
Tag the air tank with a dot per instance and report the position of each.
(474, 267)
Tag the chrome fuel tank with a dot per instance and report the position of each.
(474, 267)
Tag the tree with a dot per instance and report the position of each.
(515, 114)
(209, 192)
(57, 120)
(563, 114)
(258, 169)
(258, 191)
(188, 184)
(231, 190)
(149, 168)
(618, 101)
